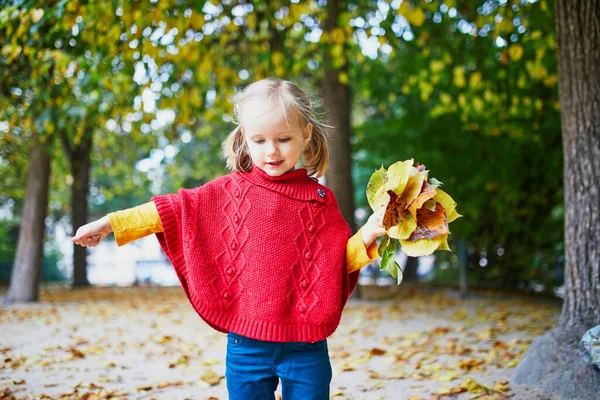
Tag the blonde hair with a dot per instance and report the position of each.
(275, 91)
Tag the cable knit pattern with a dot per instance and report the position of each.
(231, 261)
(260, 256)
(304, 270)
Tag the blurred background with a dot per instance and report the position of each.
(103, 104)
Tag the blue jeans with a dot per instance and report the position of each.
(253, 369)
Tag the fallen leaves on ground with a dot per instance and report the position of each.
(211, 377)
(118, 343)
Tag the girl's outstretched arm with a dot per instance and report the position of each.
(90, 234)
(135, 223)
(128, 225)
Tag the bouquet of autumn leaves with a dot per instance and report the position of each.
(417, 212)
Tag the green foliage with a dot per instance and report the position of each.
(483, 117)
(9, 233)
(386, 251)
(467, 88)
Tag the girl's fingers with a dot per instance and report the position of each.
(80, 238)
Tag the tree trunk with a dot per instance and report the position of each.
(553, 361)
(338, 103)
(27, 268)
(80, 168)
(337, 100)
(410, 270)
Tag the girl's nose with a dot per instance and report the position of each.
(273, 149)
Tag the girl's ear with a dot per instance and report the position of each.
(307, 133)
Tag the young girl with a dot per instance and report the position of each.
(262, 253)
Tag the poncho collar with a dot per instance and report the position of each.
(295, 183)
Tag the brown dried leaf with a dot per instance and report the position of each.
(169, 384)
(377, 352)
(75, 354)
(165, 339)
(427, 192)
(430, 224)
(470, 364)
(395, 211)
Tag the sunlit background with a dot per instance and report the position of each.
(137, 97)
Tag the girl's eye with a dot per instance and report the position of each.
(281, 140)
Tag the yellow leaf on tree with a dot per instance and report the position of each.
(414, 16)
(337, 35)
(550, 81)
(36, 15)
(250, 20)
(475, 80)
(539, 104)
(505, 26)
(436, 66)
(277, 57)
(343, 78)
(488, 95)
(536, 70)
(515, 52)
(478, 104)
(445, 98)
(417, 17)
(459, 77)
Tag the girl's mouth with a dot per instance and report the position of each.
(275, 164)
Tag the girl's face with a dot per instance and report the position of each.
(275, 145)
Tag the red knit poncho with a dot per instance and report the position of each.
(260, 256)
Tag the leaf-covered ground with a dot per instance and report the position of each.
(147, 342)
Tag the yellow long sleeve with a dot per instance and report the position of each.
(135, 223)
(357, 255)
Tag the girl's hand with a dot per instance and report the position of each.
(91, 234)
(373, 228)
